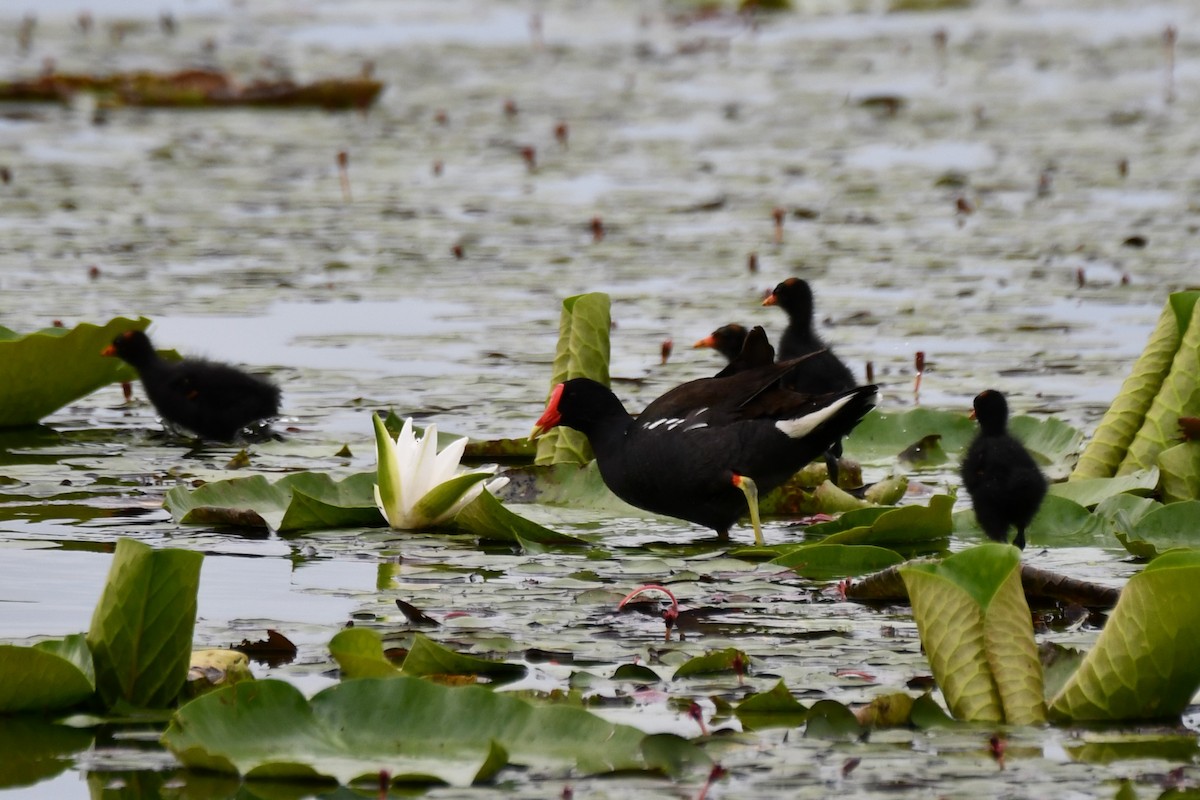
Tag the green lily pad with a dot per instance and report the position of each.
(427, 657)
(1052, 442)
(926, 452)
(1162, 529)
(1125, 510)
(567, 484)
(1146, 663)
(413, 729)
(43, 371)
(583, 352)
(924, 437)
(975, 626)
(1058, 522)
(1090, 491)
(359, 654)
(882, 437)
(299, 501)
(892, 710)
(487, 518)
(1179, 395)
(1105, 452)
(825, 562)
(50, 676)
(636, 673)
(906, 529)
(1179, 467)
(927, 714)
(796, 498)
(728, 660)
(776, 708)
(911, 526)
(141, 631)
(829, 719)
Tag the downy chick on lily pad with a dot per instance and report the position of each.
(418, 487)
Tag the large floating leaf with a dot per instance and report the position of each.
(908, 435)
(1146, 663)
(299, 501)
(796, 498)
(882, 437)
(583, 351)
(1162, 529)
(1139, 432)
(427, 657)
(141, 631)
(975, 626)
(1058, 522)
(1052, 442)
(566, 484)
(773, 709)
(49, 676)
(1180, 470)
(1090, 491)
(823, 562)
(487, 518)
(359, 654)
(413, 729)
(1105, 452)
(906, 525)
(1179, 395)
(906, 529)
(728, 660)
(41, 372)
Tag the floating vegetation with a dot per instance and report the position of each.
(194, 88)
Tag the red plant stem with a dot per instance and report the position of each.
(343, 162)
(669, 616)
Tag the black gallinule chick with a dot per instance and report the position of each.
(824, 372)
(211, 400)
(744, 349)
(726, 340)
(1005, 484)
(703, 450)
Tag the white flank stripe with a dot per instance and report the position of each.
(802, 426)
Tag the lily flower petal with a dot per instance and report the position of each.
(388, 491)
(418, 486)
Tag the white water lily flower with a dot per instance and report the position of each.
(418, 487)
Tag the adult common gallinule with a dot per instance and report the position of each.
(212, 400)
(1005, 484)
(824, 372)
(702, 451)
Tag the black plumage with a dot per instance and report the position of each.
(211, 400)
(1004, 482)
(824, 371)
(744, 349)
(685, 454)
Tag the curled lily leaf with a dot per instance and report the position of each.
(418, 487)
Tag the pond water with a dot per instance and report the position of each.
(230, 229)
